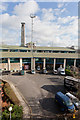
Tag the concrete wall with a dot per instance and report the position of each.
(15, 66)
(4, 65)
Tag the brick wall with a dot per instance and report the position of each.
(4, 66)
(15, 66)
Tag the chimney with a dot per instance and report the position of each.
(22, 34)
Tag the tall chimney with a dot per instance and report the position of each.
(23, 34)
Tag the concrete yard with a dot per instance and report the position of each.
(39, 91)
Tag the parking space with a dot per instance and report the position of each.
(39, 90)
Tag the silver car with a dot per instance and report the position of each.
(74, 99)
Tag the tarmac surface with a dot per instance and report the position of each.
(38, 90)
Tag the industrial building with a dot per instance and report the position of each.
(29, 56)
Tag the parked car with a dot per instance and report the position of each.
(38, 68)
(45, 71)
(5, 72)
(33, 71)
(55, 72)
(21, 72)
(74, 99)
(61, 71)
(65, 102)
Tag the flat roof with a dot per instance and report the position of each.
(36, 48)
(40, 55)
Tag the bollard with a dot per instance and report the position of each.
(73, 115)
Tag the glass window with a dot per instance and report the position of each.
(23, 50)
(26, 60)
(12, 50)
(14, 60)
(70, 62)
(4, 60)
(38, 60)
(49, 60)
(78, 62)
(68, 102)
(4, 50)
(59, 60)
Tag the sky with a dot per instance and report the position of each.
(55, 24)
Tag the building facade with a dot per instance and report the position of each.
(28, 56)
(50, 58)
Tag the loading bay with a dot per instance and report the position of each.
(39, 91)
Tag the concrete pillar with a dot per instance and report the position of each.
(32, 63)
(74, 62)
(64, 64)
(54, 66)
(9, 67)
(20, 63)
(23, 34)
(44, 64)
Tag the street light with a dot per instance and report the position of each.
(32, 16)
(10, 109)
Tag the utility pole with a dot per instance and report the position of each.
(32, 16)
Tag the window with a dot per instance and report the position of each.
(14, 60)
(12, 50)
(4, 60)
(26, 60)
(23, 50)
(4, 50)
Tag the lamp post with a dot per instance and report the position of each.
(10, 109)
(32, 16)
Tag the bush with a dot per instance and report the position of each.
(16, 113)
(5, 115)
(68, 72)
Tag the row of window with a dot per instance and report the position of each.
(45, 51)
(40, 60)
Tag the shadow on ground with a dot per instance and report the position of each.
(56, 80)
(50, 105)
(54, 88)
(16, 74)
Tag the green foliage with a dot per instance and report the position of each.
(68, 72)
(5, 115)
(68, 67)
(16, 113)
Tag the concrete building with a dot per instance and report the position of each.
(22, 57)
(18, 58)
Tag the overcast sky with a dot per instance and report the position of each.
(55, 24)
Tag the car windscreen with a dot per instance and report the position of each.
(68, 102)
(62, 71)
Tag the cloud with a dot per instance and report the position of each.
(63, 10)
(3, 7)
(26, 8)
(60, 5)
(40, 0)
(11, 24)
(47, 14)
(49, 29)
(68, 19)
